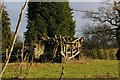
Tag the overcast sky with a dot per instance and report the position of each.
(14, 8)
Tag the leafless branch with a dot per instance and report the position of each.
(29, 67)
(112, 18)
(62, 73)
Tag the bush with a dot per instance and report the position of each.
(100, 54)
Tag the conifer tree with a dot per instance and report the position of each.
(49, 19)
(6, 31)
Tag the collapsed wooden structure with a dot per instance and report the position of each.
(69, 47)
(63, 48)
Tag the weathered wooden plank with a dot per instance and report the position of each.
(74, 55)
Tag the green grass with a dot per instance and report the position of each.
(78, 69)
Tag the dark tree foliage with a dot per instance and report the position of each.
(6, 31)
(49, 19)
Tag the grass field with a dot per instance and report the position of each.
(79, 69)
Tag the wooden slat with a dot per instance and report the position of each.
(74, 55)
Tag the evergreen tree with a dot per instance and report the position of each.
(50, 19)
(6, 31)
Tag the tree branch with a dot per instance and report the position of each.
(62, 73)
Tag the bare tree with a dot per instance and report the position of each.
(109, 14)
(96, 38)
(14, 38)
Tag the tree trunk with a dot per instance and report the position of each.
(118, 36)
(118, 40)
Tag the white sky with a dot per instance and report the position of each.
(15, 7)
